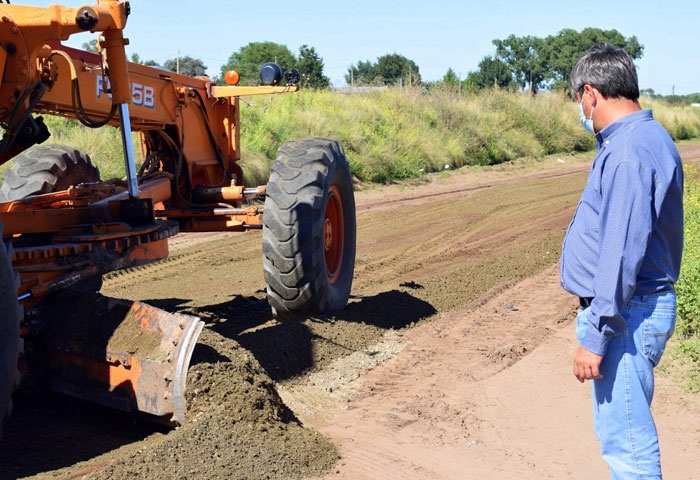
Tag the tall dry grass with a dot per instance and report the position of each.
(401, 133)
(398, 133)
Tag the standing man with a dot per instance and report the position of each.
(621, 256)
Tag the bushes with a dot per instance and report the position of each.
(682, 122)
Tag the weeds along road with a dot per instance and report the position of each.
(455, 288)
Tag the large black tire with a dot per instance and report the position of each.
(46, 169)
(49, 169)
(309, 229)
(10, 315)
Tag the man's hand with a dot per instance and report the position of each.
(586, 364)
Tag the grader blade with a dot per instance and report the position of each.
(121, 354)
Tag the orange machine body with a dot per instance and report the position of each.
(189, 181)
(189, 128)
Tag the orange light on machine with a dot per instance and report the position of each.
(231, 77)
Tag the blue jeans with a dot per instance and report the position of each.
(622, 398)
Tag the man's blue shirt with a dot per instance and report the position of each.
(626, 237)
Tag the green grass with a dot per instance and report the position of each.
(687, 344)
(104, 145)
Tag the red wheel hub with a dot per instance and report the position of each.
(334, 234)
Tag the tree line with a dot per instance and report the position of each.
(533, 63)
(247, 62)
(524, 63)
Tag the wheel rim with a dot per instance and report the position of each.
(334, 234)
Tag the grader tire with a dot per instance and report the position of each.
(309, 230)
(10, 316)
(46, 169)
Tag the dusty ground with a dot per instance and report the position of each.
(452, 360)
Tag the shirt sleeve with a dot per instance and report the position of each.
(626, 220)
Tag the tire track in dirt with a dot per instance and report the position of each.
(453, 187)
(418, 421)
(442, 239)
(221, 256)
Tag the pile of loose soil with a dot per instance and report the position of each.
(235, 422)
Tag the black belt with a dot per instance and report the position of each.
(585, 301)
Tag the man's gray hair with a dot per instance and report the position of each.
(609, 69)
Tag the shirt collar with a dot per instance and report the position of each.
(638, 116)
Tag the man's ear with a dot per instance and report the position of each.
(593, 92)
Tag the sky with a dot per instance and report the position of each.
(437, 35)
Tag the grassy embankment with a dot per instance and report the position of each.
(398, 134)
(685, 357)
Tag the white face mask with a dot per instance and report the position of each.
(587, 123)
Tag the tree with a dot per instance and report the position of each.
(561, 51)
(523, 55)
(135, 58)
(450, 77)
(469, 85)
(362, 74)
(450, 82)
(310, 66)
(396, 69)
(192, 67)
(492, 72)
(535, 63)
(90, 46)
(393, 69)
(248, 60)
(692, 98)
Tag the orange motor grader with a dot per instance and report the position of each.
(63, 227)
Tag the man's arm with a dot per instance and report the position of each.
(625, 229)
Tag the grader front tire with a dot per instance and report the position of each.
(309, 229)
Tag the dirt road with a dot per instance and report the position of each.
(452, 360)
